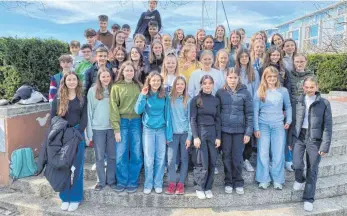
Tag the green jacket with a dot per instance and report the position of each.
(81, 68)
(123, 98)
(297, 81)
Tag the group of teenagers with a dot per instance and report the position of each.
(164, 101)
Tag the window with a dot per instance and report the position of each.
(295, 35)
(284, 28)
(313, 31)
(339, 24)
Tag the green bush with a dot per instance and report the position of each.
(10, 81)
(34, 59)
(331, 70)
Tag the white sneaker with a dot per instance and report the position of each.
(298, 186)
(147, 191)
(228, 189)
(216, 171)
(278, 186)
(94, 167)
(308, 206)
(248, 166)
(264, 185)
(105, 162)
(209, 194)
(200, 194)
(289, 166)
(158, 190)
(240, 191)
(73, 206)
(65, 206)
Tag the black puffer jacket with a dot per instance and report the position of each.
(236, 110)
(58, 153)
(319, 121)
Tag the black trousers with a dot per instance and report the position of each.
(247, 152)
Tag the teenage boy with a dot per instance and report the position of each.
(153, 29)
(128, 41)
(91, 74)
(312, 133)
(115, 27)
(86, 63)
(65, 62)
(150, 15)
(75, 48)
(90, 35)
(103, 34)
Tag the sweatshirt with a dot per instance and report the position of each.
(180, 117)
(194, 84)
(98, 112)
(155, 112)
(271, 110)
(253, 86)
(123, 98)
(105, 38)
(142, 24)
(82, 68)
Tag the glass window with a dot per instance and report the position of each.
(284, 28)
(339, 24)
(295, 35)
(313, 31)
(314, 41)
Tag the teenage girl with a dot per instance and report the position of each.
(118, 40)
(177, 42)
(140, 42)
(189, 39)
(156, 57)
(289, 49)
(205, 123)
(234, 45)
(169, 71)
(236, 112)
(120, 56)
(207, 44)
(167, 43)
(222, 61)
(257, 54)
(187, 61)
(220, 40)
(136, 57)
(200, 35)
(277, 40)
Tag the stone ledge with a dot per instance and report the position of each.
(18, 109)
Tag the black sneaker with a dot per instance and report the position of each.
(98, 187)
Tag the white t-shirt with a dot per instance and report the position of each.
(308, 101)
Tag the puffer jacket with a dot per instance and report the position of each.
(58, 153)
(319, 122)
(236, 110)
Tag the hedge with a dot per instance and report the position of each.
(34, 59)
(10, 81)
(331, 70)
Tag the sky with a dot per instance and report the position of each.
(67, 20)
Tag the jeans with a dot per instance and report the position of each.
(154, 145)
(177, 146)
(74, 192)
(104, 144)
(312, 163)
(274, 134)
(129, 153)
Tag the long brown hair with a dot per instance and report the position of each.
(199, 102)
(176, 41)
(63, 105)
(114, 42)
(263, 83)
(99, 91)
(173, 93)
(161, 90)
(121, 73)
(249, 69)
(267, 60)
(232, 71)
(230, 46)
(152, 56)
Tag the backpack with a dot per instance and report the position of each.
(22, 163)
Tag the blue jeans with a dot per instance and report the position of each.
(74, 192)
(178, 145)
(154, 145)
(274, 134)
(104, 144)
(129, 153)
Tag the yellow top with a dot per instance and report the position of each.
(188, 72)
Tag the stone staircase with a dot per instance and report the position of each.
(34, 196)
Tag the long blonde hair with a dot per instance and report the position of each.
(217, 64)
(264, 85)
(253, 57)
(63, 104)
(173, 93)
(176, 41)
(164, 71)
(183, 55)
(225, 38)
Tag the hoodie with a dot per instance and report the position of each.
(142, 24)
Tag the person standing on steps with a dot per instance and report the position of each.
(236, 111)
(169, 71)
(205, 124)
(187, 61)
(268, 128)
(99, 129)
(312, 133)
(154, 105)
(127, 127)
(182, 135)
(69, 104)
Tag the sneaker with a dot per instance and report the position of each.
(158, 190)
(105, 162)
(171, 188)
(289, 166)
(228, 189)
(147, 191)
(131, 189)
(216, 171)
(264, 185)
(298, 186)
(240, 191)
(119, 188)
(209, 194)
(200, 194)
(180, 189)
(113, 186)
(65, 206)
(94, 167)
(98, 187)
(278, 186)
(73, 206)
(248, 166)
(308, 206)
